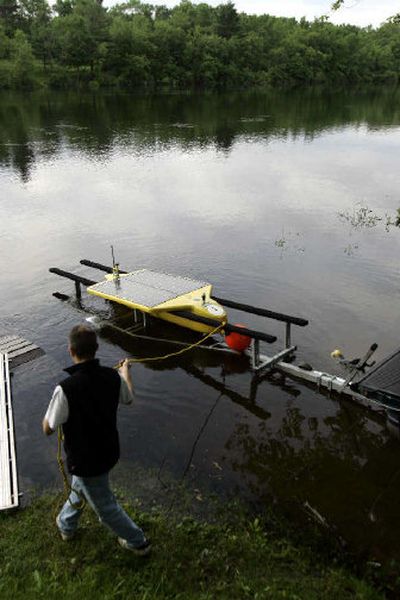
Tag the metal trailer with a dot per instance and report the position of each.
(262, 363)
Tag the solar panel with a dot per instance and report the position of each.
(148, 288)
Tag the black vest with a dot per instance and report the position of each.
(90, 432)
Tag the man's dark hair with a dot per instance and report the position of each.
(83, 341)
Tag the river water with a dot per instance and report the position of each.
(285, 201)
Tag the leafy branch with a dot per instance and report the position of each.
(393, 19)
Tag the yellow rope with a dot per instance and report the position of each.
(67, 487)
(171, 354)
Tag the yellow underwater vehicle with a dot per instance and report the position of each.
(180, 300)
(163, 296)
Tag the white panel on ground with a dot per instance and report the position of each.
(9, 497)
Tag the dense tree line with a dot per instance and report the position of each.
(135, 45)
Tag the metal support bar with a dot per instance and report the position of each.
(72, 276)
(361, 364)
(262, 312)
(78, 290)
(287, 336)
(265, 337)
(263, 363)
(100, 267)
(255, 354)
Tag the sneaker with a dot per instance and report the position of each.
(65, 535)
(141, 550)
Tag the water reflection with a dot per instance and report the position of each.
(299, 460)
(37, 126)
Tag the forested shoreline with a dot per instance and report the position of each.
(137, 46)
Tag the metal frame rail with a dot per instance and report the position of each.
(9, 495)
(259, 335)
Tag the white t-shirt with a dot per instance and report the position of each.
(58, 412)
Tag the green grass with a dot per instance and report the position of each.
(236, 556)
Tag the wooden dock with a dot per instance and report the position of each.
(18, 349)
(14, 351)
(9, 495)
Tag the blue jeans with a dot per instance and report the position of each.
(97, 492)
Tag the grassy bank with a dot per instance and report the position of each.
(236, 556)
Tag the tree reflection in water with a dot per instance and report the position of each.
(41, 125)
(344, 465)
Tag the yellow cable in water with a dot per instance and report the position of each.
(165, 356)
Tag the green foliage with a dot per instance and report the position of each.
(23, 62)
(9, 15)
(63, 7)
(5, 74)
(227, 22)
(31, 11)
(4, 43)
(130, 51)
(140, 45)
(79, 36)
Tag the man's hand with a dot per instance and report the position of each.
(125, 373)
(47, 430)
(124, 368)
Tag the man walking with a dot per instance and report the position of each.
(85, 405)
